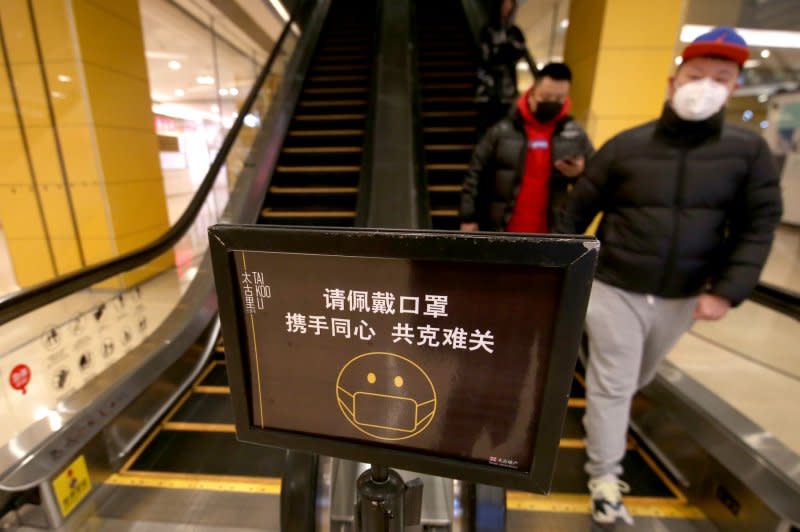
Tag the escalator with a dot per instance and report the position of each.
(447, 63)
(190, 470)
(315, 182)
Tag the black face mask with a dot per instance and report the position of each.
(546, 111)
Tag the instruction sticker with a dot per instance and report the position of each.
(72, 485)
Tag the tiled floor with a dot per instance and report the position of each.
(766, 397)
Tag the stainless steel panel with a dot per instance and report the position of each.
(741, 476)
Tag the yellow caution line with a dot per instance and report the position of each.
(579, 504)
(212, 389)
(580, 443)
(199, 427)
(264, 486)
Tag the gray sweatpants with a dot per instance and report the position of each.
(629, 334)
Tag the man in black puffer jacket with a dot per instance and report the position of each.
(690, 206)
(521, 169)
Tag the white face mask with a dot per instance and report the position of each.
(698, 100)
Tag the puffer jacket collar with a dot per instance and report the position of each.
(684, 133)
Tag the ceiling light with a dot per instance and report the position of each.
(678, 60)
(223, 92)
(251, 120)
(564, 24)
(63, 78)
(215, 108)
(753, 37)
(765, 53)
(747, 115)
(205, 80)
(180, 92)
(752, 63)
(523, 65)
(764, 124)
(233, 91)
(174, 65)
(539, 66)
(763, 98)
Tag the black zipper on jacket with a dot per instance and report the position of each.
(672, 256)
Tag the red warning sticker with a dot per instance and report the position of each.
(19, 377)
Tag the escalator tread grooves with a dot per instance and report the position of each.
(323, 150)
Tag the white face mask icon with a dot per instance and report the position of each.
(699, 100)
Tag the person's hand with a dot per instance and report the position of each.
(711, 307)
(469, 227)
(572, 166)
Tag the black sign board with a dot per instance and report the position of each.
(438, 352)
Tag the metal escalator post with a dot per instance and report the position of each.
(299, 492)
(386, 503)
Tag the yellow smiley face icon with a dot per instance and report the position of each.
(386, 396)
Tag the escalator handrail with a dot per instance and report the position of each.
(777, 298)
(29, 299)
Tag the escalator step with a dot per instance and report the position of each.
(348, 116)
(444, 188)
(569, 476)
(573, 424)
(327, 133)
(448, 86)
(325, 79)
(217, 377)
(332, 103)
(268, 213)
(336, 90)
(447, 99)
(317, 169)
(466, 74)
(205, 408)
(339, 68)
(208, 453)
(449, 114)
(313, 190)
(448, 167)
(324, 149)
(449, 147)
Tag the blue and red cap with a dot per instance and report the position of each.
(722, 41)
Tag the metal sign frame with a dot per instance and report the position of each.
(575, 255)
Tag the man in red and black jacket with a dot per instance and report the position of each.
(521, 170)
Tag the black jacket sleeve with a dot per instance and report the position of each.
(590, 193)
(751, 230)
(478, 168)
